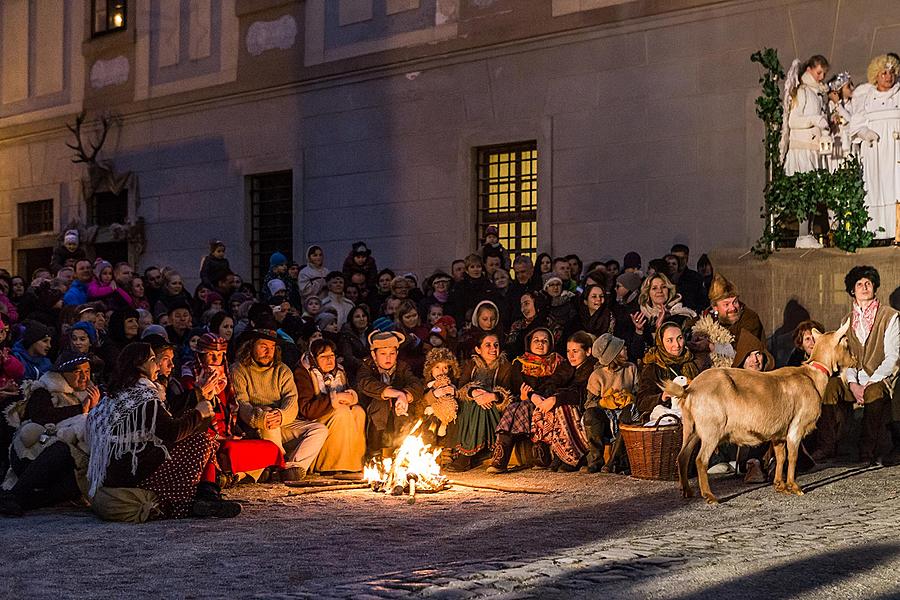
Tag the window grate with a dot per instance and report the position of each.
(35, 217)
(108, 16)
(271, 219)
(507, 195)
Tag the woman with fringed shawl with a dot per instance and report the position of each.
(136, 443)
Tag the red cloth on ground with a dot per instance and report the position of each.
(250, 455)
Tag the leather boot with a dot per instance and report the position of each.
(503, 449)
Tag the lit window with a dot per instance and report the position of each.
(507, 195)
(109, 15)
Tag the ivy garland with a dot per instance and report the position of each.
(796, 196)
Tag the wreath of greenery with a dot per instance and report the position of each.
(794, 197)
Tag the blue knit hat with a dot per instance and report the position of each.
(88, 328)
(277, 259)
(384, 324)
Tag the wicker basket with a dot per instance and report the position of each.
(652, 451)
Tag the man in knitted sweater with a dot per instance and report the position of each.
(267, 404)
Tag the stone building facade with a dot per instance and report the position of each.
(607, 125)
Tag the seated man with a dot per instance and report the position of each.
(874, 340)
(266, 396)
(389, 391)
(44, 460)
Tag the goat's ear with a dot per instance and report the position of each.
(816, 334)
(843, 329)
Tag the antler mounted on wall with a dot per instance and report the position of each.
(101, 173)
(82, 155)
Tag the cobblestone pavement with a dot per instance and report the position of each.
(588, 536)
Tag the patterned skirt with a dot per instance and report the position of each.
(561, 428)
(175, 481)
(516, 418)
(475, 428)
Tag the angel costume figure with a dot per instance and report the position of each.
(875, 119)
(805, 125)
(840, 94)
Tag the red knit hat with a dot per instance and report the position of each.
(210, 342)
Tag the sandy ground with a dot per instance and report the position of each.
(586, 536)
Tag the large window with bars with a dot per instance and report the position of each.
(35, 217)
(271, 219)
(507, 195)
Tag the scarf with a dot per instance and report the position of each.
(865, 315)
(673, 308)
(117, 427)
(539, 366)
(677, 365)
(329, 383)
(441, 297)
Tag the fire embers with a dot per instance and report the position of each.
(413, 468)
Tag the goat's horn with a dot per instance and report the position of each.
(843, 329)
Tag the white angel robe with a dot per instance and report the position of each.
(807, 127)
(879, 112)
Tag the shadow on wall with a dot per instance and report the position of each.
(781, 342)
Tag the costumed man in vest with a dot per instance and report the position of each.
(389, 391)
(874, 340)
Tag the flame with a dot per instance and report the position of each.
(413, 458)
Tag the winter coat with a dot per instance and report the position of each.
(35, 366)
(213, 269)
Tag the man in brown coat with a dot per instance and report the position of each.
(874, 340)
(390, 393)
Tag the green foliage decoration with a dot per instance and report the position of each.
(794, 197)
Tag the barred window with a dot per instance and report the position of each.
(108, 16)
(35, 217)
(271, 219)
(507, 195)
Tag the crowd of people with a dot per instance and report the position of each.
(122, 385)
(828, 119)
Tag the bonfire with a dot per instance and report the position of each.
(413, 468)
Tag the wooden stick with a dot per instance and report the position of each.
(333, 488)
(498, 488)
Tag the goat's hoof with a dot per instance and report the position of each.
(779, 486)
(687, 493)
(795, 489)
(711, 499)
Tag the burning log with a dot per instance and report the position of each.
(413, 468)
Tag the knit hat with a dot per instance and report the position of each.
(99, 265)
(68, 360)
(551, 279)
(720, 289)
(275, 286)
(88, 328)
(238, 298)
(606, 348)
(384, 324)
(632, 261)
(33, 332)
(262, 334)
(440, 331)
(71, 236)
(210, 342)
(325, 318)
(276, 259)
(360, 249)
(631, 281)
(213, 297)
(154, 329)
(491, 230)
(385, 339)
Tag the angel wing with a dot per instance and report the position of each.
(791, 83)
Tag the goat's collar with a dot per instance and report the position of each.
(819, 367)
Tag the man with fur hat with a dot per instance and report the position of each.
(48, 446)
(389, 392)
(266, 396)
(874, 340)
(726, 307)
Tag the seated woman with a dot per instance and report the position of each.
(122, 330)
(535, 309)
(610, 400)
(353, 342)
(206, 377)
(594, 313)
(135, 442)
(803, 342)
(325, 395)
(484, 392)
(659, 302)
(43, 469)
(485, 318)
(529, 373)
(408, 322)
(666, 360)
(556, 422)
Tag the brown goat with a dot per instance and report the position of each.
(750, 407)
